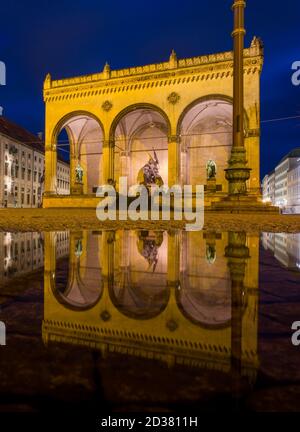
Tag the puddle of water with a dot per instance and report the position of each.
(149, 320)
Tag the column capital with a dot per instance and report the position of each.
(174, 138)
(50, 147)
(239, 3)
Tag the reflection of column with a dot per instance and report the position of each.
(50, 169)
(237, 254)
(108, 160)
(107, 248)
(124, 240)
(173, 257)
(49, 270)
(49, 253)
(173, 160)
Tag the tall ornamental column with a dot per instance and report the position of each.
(237, 172)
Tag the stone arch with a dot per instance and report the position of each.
(205, 131)
(76, 282)
(138, 287)
(135, 132)
(85, 133)
(133, 107)
(210, 97)
(59, 125)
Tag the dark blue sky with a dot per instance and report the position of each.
(69, 38)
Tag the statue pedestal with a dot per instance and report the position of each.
(243, 204)
(211, 186)
(77, 189)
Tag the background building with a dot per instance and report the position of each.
(282, 186)
(22, 167)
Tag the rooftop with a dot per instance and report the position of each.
(292, 154)
(18, 133)
(23, 136)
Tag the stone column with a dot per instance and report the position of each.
(50, 169)
(237, 172)
(108, 160)
(173, 160)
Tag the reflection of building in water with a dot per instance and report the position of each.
(198, 307)
(22, 253)
(285, 247)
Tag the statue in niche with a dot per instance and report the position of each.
(211, 254)
(149, 174)
(78, 248)
(78, 173)
(211, 170)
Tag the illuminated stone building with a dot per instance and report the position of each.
(180, 298)
(181, 108)
(22, 167)
(282, 186)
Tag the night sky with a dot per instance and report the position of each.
(69, 38)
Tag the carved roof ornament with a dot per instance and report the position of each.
(173, 60)
(257, 46)
(47, 82)
(107, 105)
(106, 71)
(173, 98)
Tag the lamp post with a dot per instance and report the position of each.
(237, 172)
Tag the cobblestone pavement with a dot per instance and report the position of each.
(73, 219)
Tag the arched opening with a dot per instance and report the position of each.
(141, 145)
(79, 142)
(77, 281)
(139, 286)
(204, 293)
(205, 128)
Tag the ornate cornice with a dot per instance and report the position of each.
(215, 66)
